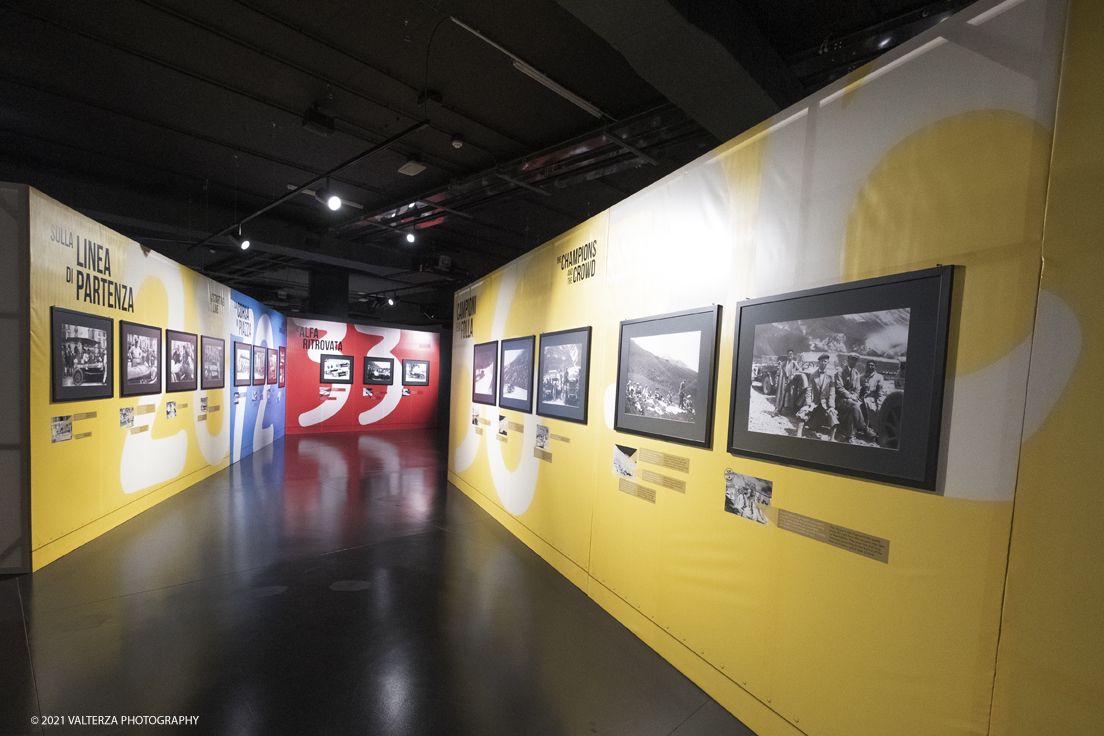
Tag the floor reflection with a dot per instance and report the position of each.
(337, 584)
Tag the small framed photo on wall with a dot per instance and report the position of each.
(273, 366)
(563, 375)
(180, 368)
(484, 373)
(260, 365)
(515, 388)
(81, 355)
(666, 370)
(283, 367)
(140, 356)
(243, 363)
(378, 371)
(214, 362)
(336, 369)
(415, 372)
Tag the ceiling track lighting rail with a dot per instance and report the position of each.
(530, 71)
(345, 164)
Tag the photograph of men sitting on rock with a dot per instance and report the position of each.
(833, 379)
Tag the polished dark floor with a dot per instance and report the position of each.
(329, 584)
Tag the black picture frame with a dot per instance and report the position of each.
(283, 367)
(410, 368)
(373, 374)
(663, 382)
(485, 373)
(904, 421)
(260, 365)
(181, 365)
(273, 366)
(335, 369)
(243, 364)
(213, 357)
(558, 395)
(82, 355)
(517, 376)
(139, 359)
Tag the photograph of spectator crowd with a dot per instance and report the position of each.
(142, 358)
(835, 379)
(181, 350)
(663, 376)
(745, 495)
(562, 374)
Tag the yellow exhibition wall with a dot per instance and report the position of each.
(937, 154)
(1050, 668)
(106, 473)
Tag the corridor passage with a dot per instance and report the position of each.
(328, 584)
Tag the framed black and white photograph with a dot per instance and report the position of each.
(243, 364)
(283, 367)
(819, 377)
(214, 362)
(415, 372)
(515, 387)
(563, 375)
(336, 369)
(273, 366)
(378, 371)
(666, 367)
(485, 373)
(180, 361)
(140, 358)
(81, 355)
(260, 365)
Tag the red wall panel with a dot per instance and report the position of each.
(347, 408)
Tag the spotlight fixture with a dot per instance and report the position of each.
(457, 142)
(239, 241)
(410, 237)
(390, 302)
(328, 198)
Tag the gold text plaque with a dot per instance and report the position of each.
(850, 540)
(634, 489)
(674, 462)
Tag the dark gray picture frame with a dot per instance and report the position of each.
(697, 401)
(910, 455)
(528, 347)
(413, 381)
(90, 376)
(273, 375)
(174, 386)
(485, 353)
(555, 401)
(219, 346)
(260, 370)
(369, 380)
(325, 361)
(243, 350)
(130, 381)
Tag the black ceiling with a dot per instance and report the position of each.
(172, 120)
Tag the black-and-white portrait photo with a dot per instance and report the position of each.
(213, 361)
(745, 495)
(180, 361)
(833, 379)
(542, 437)
(663, 376)
(126, 417)
(336, 369)
(170, 410)
(475, 416)
(415, 372)
(243, 363)
(484, 373)
(379, 371)
(624, 461)
(141, 353)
